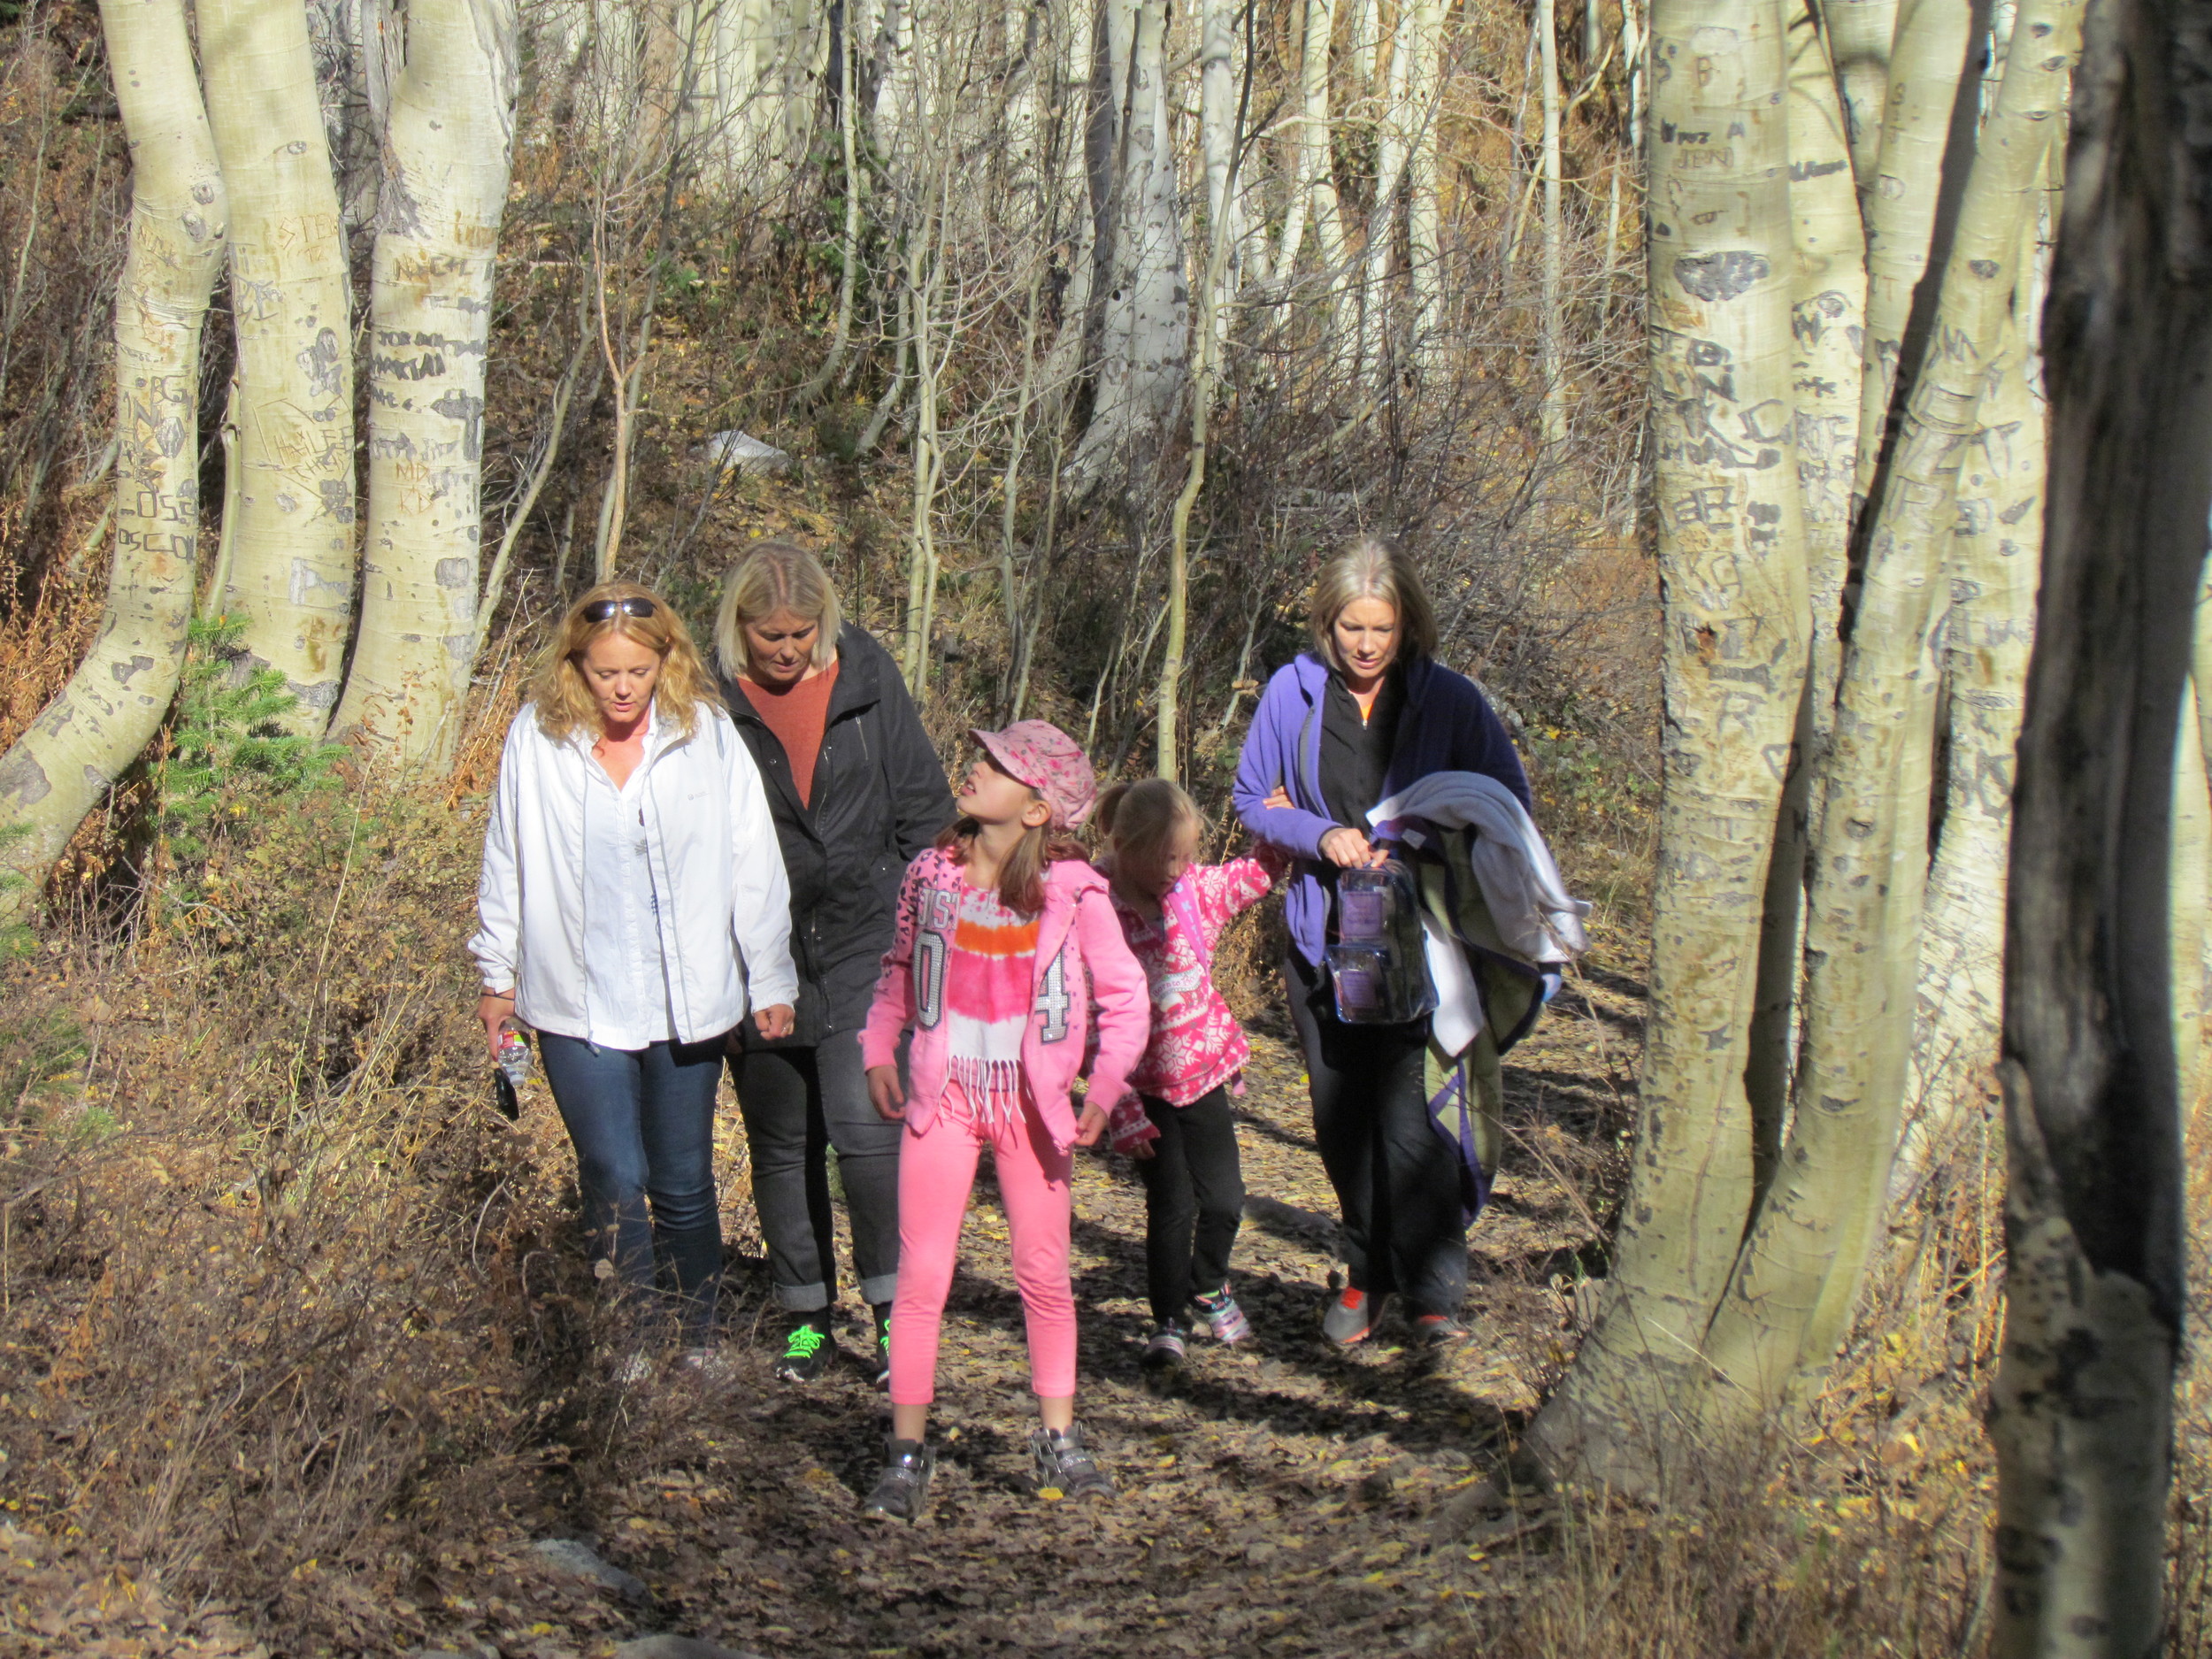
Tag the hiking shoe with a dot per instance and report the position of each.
(902, 1489)
(1350, 1319)
(880, 1368)
(1224, 1318)
(806, 1351)
(1065, 1468)
(1435, 1330)
(1163, 1356)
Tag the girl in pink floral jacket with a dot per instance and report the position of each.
(1176, 1121)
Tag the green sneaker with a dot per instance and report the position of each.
(806, 1353)
(879, 1370)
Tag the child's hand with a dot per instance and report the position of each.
(1144, 1150)
(1088, 1127)
(1278, 800)
(886, 1093)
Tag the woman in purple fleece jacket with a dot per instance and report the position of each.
(1335, 734)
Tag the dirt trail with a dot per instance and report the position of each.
(1285, 1501)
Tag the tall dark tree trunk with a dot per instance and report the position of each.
(2082, 1415)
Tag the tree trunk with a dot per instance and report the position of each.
(112, 705)
(1550, 351)
(444, 190)
(1987, 637)
(1859, 39)
(1723, 283)
(2082, 1411)
(1145, 349)
(1425, 214)
(292, 559)
(1828, 322)
(1313, 185)
(1798, 1280)
(1925, 72)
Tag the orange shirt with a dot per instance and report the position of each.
(798, 717)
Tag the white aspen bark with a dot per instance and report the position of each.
(1859, 33)
(1925, 74)
(102, 720)
(1145, 349)
(1826, 321)
(1987, 638)
(292, 553)
(446, 153)
(1550, 354)
(1424, 217)
(1798, 1282)
(1393, 133)
(1217, 138)
(1023, 128)
(1722, 282)
(1313, 185)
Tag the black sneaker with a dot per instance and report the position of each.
(879, 1363)
(806, 1352)
(1065, 1468)
(1161, 1360)
(904, 1487)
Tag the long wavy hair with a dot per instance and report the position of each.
(1021, 878)
(564, 703)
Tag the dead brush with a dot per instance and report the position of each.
(284, 1301)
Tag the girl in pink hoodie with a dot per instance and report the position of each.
(1005, 941)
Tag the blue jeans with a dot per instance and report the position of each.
(642, 1122)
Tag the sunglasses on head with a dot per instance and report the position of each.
(601, 610)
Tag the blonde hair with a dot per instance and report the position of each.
(775, 575)
(1139, 820)
(564, 703)
(1373, 568)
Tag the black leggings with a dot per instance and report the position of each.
(798, 1103)
(1193, 1194)
(1396, 1179)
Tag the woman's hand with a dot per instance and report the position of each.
(775, 1020)
(886, 1093)
(1092, 1124)
(1350, 849)
(495, 1008)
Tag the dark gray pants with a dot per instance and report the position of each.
(1396, 1180)
(798, 1102)
(1194, 1198)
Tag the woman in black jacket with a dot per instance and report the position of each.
(856, 791)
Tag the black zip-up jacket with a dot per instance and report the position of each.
(879, 798)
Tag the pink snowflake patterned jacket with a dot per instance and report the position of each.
(1196, 1044)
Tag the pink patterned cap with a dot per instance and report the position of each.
(1048, 761)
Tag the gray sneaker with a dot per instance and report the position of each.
(902, 1489)
(1065, 1468)
(1351, 1317)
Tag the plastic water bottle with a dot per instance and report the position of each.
(514, 1053)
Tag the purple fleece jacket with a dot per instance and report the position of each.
(1446, 726)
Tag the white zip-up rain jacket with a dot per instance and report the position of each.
(725, 914)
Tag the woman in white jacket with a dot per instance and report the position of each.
(634, 909)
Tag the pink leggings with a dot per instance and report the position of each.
(936, 1173)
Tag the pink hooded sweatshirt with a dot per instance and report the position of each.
(1082, 960)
